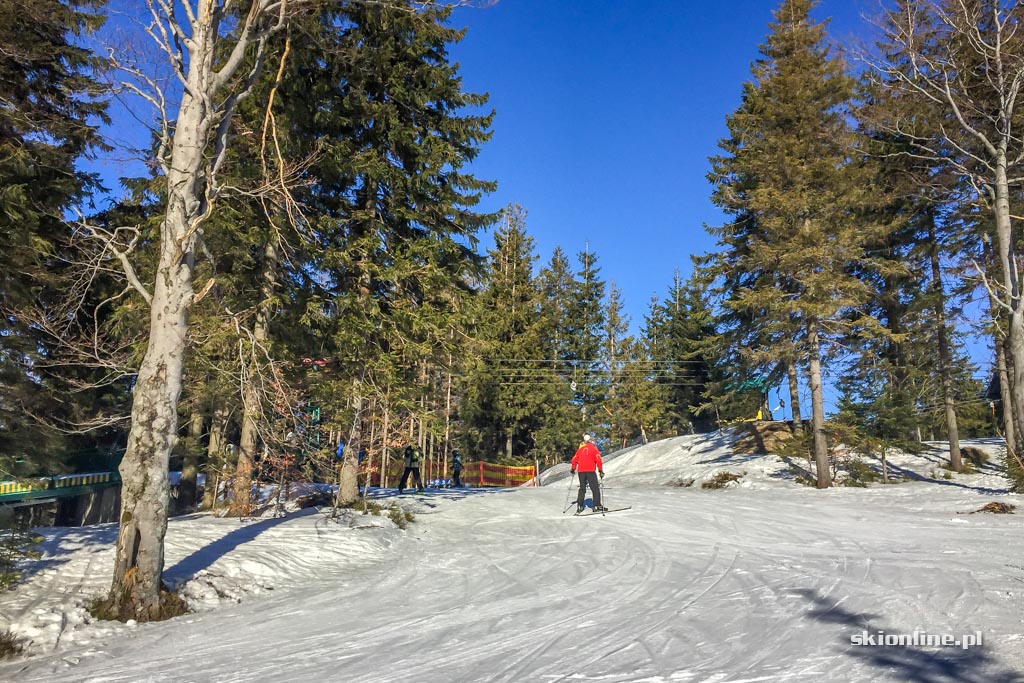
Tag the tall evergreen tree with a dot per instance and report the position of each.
(786, 174)
(619, 364)
(558, 434)
(922, 199)
(586, 319)
(392, 219)
(685, 357)
(504, 400)
(48, 123)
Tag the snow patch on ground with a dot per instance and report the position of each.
(212, 561)
(766, 580)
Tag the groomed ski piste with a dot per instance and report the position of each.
(765, 580)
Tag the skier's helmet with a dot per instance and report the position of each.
(587, 438)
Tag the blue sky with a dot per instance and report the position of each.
(607, 112)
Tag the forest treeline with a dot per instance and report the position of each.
(302, 262)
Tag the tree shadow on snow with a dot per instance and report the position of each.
(431, 497)
(59, 542)
(714, 440)
(737, 458)
(911, 663)
(914, 476)
(799, 470)
(831, 612)
(443, 493)
(203, 558)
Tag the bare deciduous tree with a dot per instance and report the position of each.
(967, 60)
(216, 51)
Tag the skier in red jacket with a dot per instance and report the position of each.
(587, 462)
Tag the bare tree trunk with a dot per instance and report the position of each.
(945, 356)
(1011, 283)
(251, 405)
(189, 157)
(999, 342)
(218, 443)
(1015, 370)
(369, 450)
(447, 421)
(190, 463)
(348, 485)
(794, 395)
(385, 461)
(818, 408)
(247, 444)
(216, 451)
(431, 465)
(139, 563)
(1009, 432)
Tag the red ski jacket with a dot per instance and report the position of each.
(587, 459)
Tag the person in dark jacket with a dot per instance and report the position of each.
(412, 466)
(456, 468)
(587, 462)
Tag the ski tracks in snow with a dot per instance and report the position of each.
(691, 586)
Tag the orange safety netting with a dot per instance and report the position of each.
(488, 474)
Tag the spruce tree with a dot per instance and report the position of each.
(48, 123)
(654, 349)
(585, 329)
(685, 356)
(618, 363)
(503, 403)
(389, 250)
(787, 176)
(558, 435)
(921, 199)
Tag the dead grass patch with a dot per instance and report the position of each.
(721, 480)
(762, 437)
(997, 509)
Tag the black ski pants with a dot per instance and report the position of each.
(415, 472)
(589, 478)
(457, 477)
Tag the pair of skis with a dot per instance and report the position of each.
(601, 512)
(591, 513)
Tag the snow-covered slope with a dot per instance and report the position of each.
(763, 582)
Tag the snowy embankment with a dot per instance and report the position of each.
(765, 580)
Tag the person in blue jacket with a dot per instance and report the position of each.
(457, 468)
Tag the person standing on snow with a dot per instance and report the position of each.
(588, 462)
(457, 468)
(412, 466)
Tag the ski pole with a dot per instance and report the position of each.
(568, 493)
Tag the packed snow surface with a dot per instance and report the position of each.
(766, 580)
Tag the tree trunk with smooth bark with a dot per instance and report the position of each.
(824, 473)
(251, 404)
(348, 484)
(193, 144)
(794, 396)
(945, 355)
(139, 563)
(190, 464)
